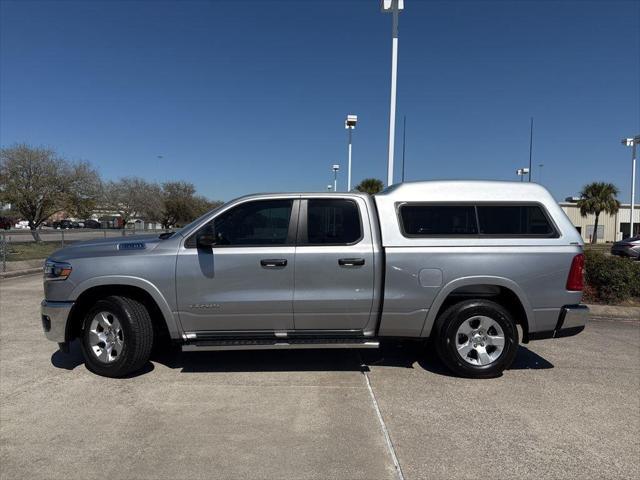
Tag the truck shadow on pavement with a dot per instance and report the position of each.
(391, 354)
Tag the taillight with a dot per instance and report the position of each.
(575, 281)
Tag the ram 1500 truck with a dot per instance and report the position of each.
(474, 267)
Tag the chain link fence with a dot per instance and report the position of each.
(18, 248)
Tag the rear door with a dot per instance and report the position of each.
(334, 265)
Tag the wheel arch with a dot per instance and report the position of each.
(503, 290)
(99, 287)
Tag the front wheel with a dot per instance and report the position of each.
(476, 338)
(117, 336)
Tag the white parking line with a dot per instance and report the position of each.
(387, 438)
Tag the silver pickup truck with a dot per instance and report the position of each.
(473, 267)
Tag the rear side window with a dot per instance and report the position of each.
(419, 220)
(332, 222)
(425, 220)
(509, 220)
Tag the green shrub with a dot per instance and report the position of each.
(611, 279)
(635, 280)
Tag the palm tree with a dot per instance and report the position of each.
(370, 186)
(598, 197)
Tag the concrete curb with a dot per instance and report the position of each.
(615, 311)
(20, 273)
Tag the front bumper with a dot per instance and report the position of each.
(54, 316)
(571, 321)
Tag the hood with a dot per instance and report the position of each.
(128, 245)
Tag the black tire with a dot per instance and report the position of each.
(137, 335)
(446, 338)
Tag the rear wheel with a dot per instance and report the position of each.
(476, 338)
(117, 336)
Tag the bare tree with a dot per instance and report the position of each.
(181, 205)
(38, 183)
(133, 197)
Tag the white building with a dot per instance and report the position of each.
(611, 228)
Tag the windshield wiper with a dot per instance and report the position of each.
(165, 235)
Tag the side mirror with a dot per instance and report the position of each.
(206, 238)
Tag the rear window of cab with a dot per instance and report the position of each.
(465, 220)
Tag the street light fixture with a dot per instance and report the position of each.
(394, 7)
(540, 165)
(350, 124)
(632, 142)
(335, 169)
(521, 172)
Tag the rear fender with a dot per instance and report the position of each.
(477, 280)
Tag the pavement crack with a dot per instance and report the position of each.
(383, 425)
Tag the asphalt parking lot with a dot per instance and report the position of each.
(568, 408)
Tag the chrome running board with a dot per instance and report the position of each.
(278, 343)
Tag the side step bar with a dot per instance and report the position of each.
(276, 344)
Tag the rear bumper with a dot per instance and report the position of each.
(571, 321)
(54, 316)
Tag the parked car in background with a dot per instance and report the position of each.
(22, 225)
(462, 264)
(65, 224)
(5, 223)
(90, 223)
(629, 247)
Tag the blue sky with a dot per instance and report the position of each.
(240, 96)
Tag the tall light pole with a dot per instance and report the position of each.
(335, 169)
(350, 124)
(632, 142)
(530, 147)
(404, 143)
(394, 7)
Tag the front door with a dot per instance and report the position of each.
(334, 276)
(245, 281)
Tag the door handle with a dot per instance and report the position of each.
(351, 262)
(274, 262)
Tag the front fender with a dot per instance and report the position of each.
(477, 280)
(172, 324)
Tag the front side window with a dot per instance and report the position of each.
(425, 220)
(264, 222)
(527, 220)
(332, 222)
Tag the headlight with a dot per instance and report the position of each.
(56, 270)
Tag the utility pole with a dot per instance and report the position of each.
(350, 124)
(404, 143)
(632, 142)
(530, 147)
(394, 7)
(335, 169)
